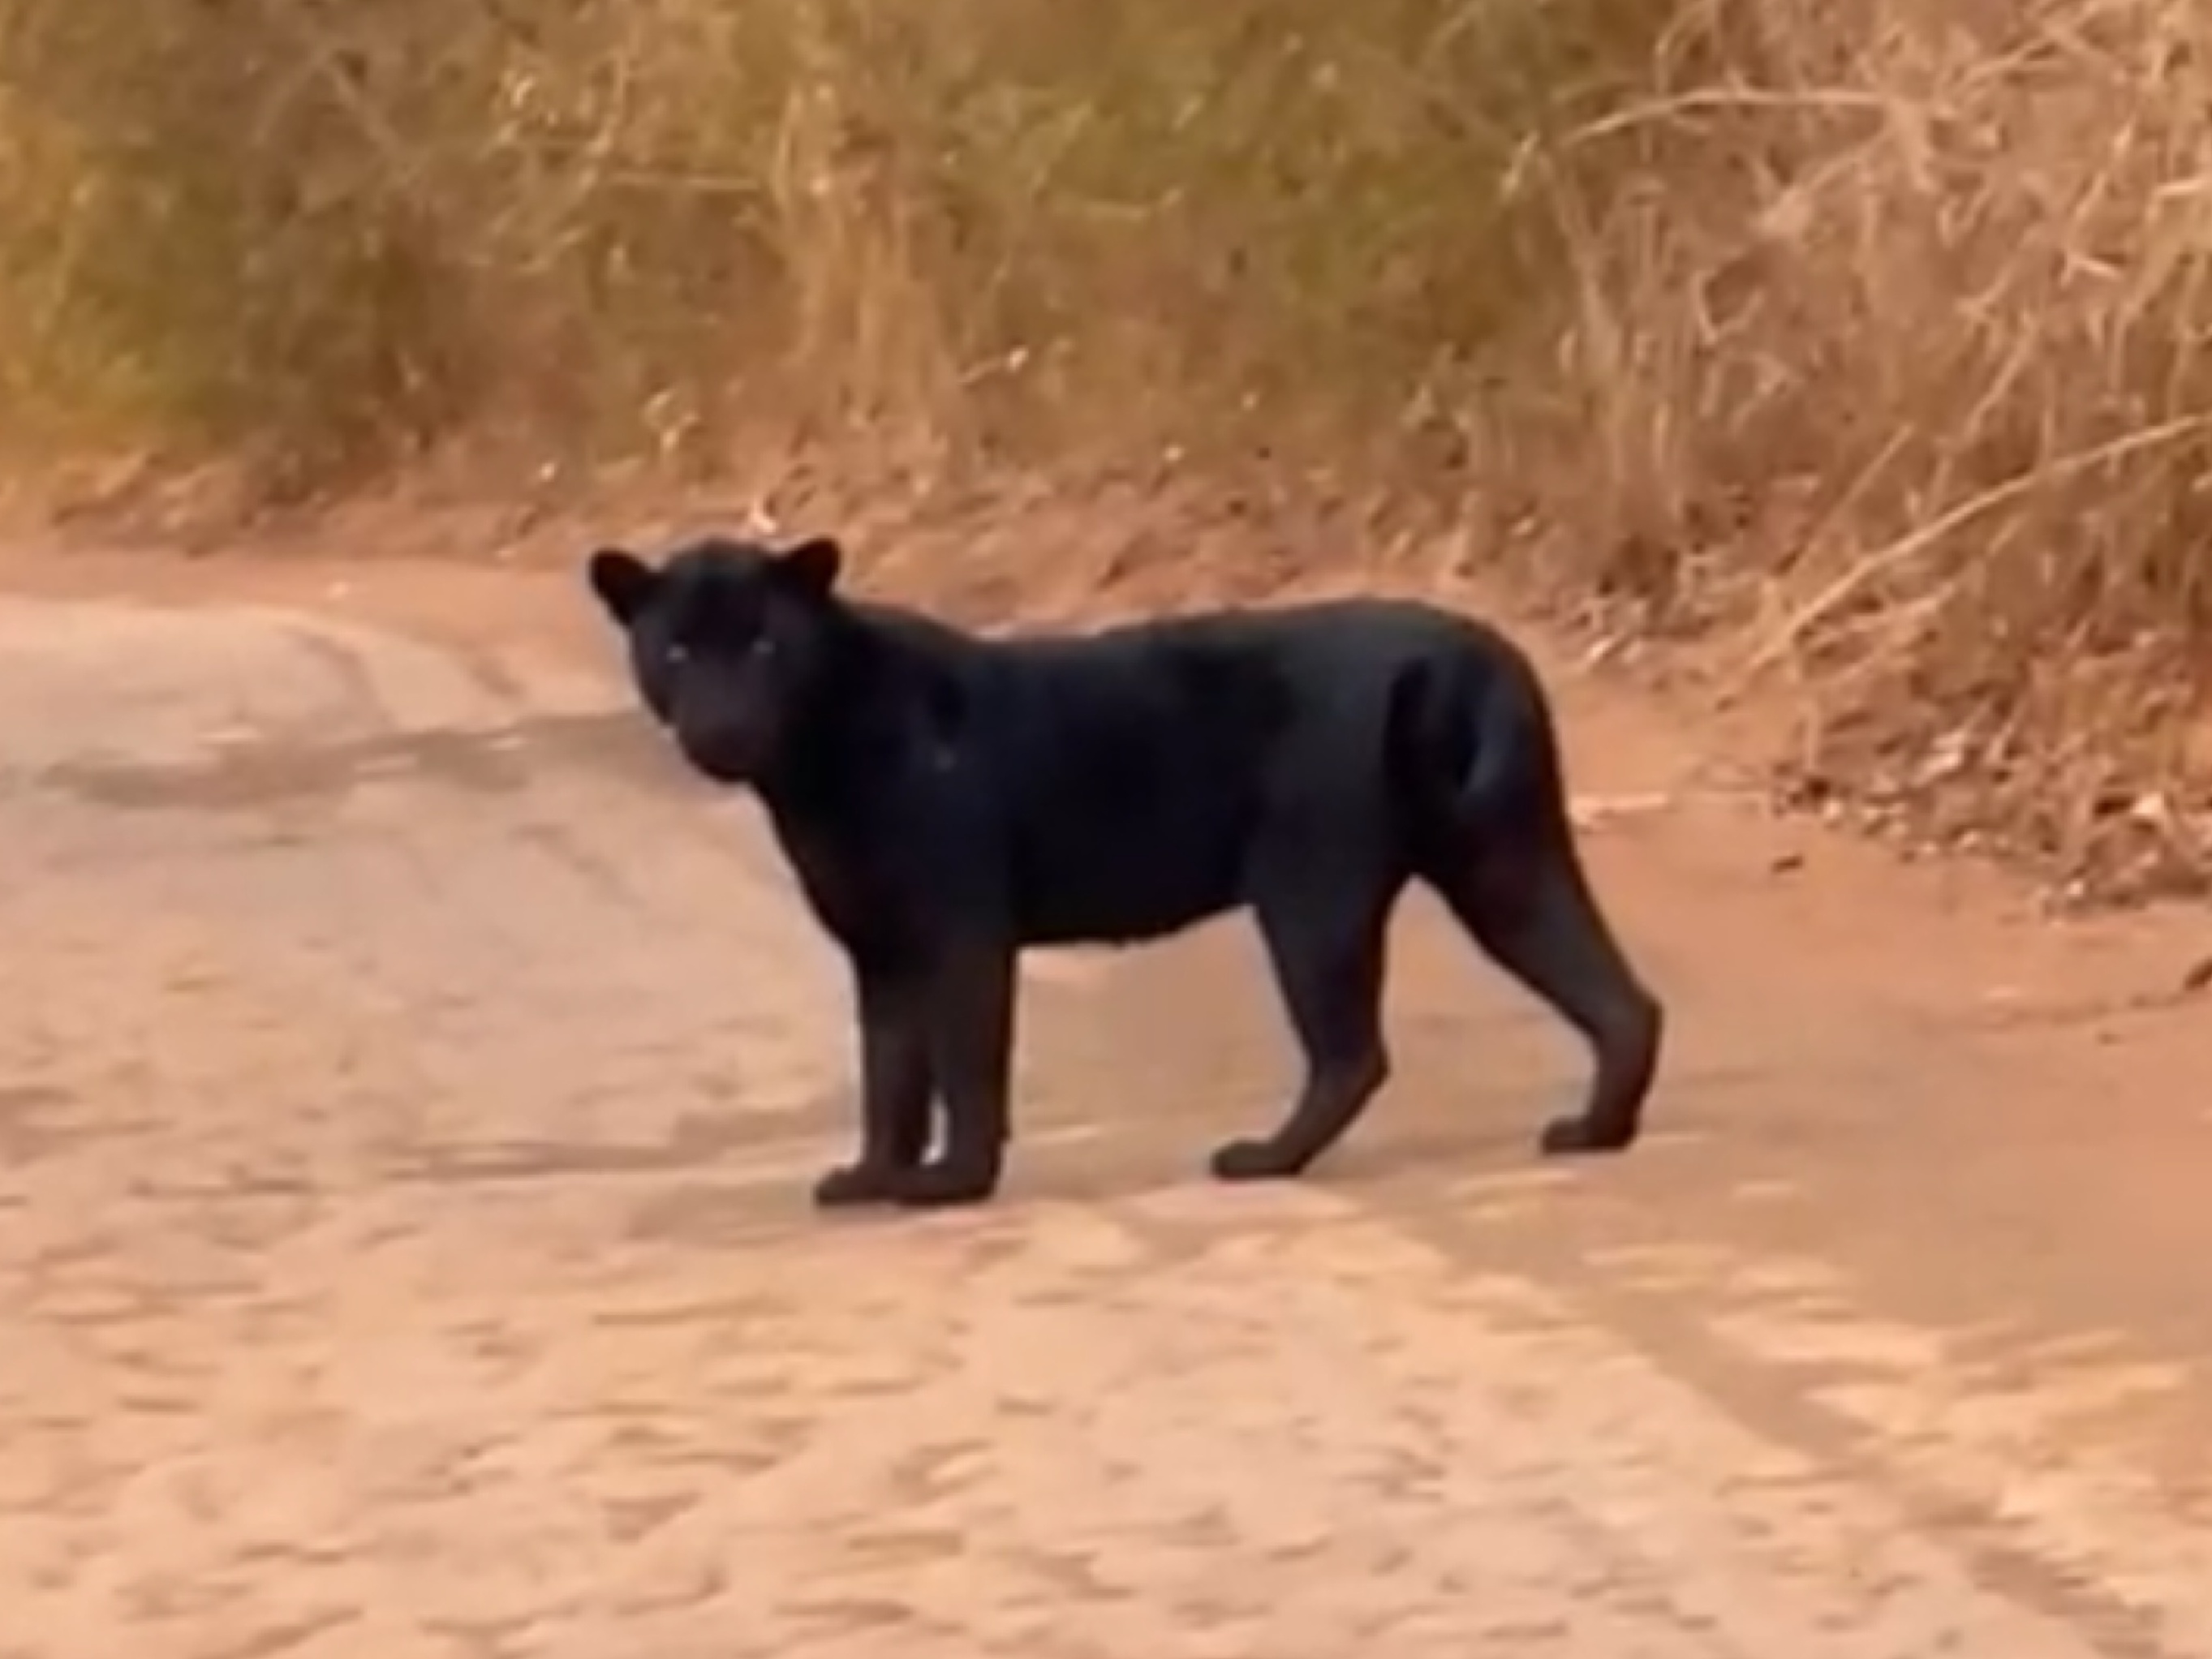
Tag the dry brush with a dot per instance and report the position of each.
(1871, 333)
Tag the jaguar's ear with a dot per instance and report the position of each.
(812, 567)
(624, 582)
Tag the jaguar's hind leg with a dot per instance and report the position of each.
(1327, 941)
(1529, 905)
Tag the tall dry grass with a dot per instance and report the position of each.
(1898, 355)
(1873, 328)
(990, 225)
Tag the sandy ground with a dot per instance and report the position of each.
(409, 1083)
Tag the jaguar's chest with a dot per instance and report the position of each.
(888, 876)
(850, 887)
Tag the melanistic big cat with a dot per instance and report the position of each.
(947, 799)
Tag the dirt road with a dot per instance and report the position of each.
(409, 1085)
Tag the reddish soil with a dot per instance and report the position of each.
(410, 1082)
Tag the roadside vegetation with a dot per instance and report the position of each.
(1867, 338)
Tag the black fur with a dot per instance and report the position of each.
(946, 799)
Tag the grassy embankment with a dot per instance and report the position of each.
(1869, 336)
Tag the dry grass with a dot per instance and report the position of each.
(1901, 358)
(995, 227)
(1870, 333)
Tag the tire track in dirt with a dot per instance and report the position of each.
(408, 1085)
